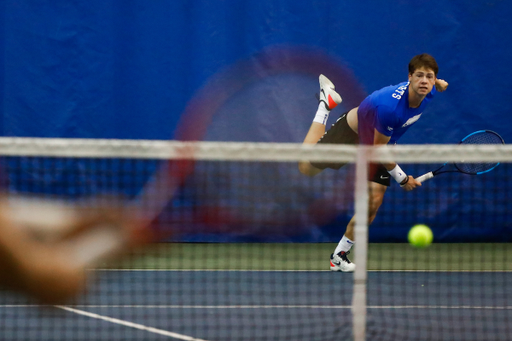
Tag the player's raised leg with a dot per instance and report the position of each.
(328, 100)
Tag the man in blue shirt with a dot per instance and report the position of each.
(382, 118)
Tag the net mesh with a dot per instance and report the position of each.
(247, 253)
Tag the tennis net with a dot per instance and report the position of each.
(247, 239)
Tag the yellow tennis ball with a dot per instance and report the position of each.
(420, 235)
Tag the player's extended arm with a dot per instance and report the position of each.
(411, 183)
(381, 139)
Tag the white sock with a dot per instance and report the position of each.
(322, 114)
(344, 245)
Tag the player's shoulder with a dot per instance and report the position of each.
(388, 97)
(394, 91)
(390, 93)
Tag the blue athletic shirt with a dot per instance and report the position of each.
(387, 110)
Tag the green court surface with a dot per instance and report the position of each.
(315, 257)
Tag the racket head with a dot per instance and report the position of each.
(479, 137)
(483, 137)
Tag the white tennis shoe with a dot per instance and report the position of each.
(327, 93)
(340, 262)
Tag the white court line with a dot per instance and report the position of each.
(294, 307)
(201, 270)
(163, 306)
(439, 307)
(139, 306)
(130, 324)
(235, 270)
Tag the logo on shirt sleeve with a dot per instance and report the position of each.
(399, 92)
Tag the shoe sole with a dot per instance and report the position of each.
(339, 270)
(334, 268)
(325, 83)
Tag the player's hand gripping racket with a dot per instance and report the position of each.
(46, 245)
(472, 168)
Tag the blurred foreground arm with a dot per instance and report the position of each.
(46, 247)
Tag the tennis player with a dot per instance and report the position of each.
(46, 247)
(382, 118)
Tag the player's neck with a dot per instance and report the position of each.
(415, 99)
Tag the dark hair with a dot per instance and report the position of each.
(423, 60)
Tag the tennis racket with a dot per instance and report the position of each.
(471, 168)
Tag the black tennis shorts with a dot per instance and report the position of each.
(341, 133)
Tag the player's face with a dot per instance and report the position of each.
(422, 81)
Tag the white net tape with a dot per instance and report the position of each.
(247, 151)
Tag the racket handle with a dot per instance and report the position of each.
(425, 177)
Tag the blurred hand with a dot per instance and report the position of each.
(46, 247)
(441, 85)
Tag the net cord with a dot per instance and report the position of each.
(248, 151)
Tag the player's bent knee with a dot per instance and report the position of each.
(306, 168)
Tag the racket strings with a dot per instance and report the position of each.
(480, 137)
(483, 138)
(475, 168)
